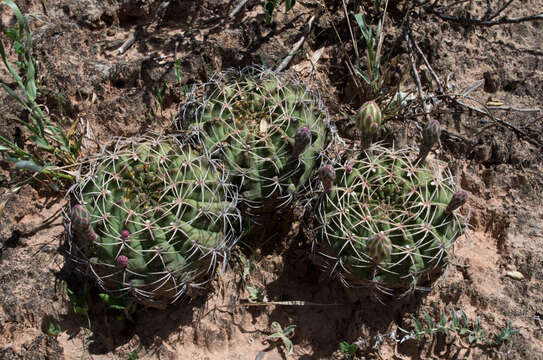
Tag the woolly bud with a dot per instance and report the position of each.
(327, 174)
(369, 118)
(80, 217)
(125, 234)
(302, 138)
(431, 133)
(379, 247)
(122, 261)
(458, 199)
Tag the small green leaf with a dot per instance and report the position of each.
(269, 7)
(429, 320)
(289, 4)
(418, 326)
(346, 348)
(54, 329)
(42, 143)
(443, 319)
(19, 48)
(289, 329)
(464, 318)
(471, 338)
(26, 165)
(456, 321)
(12, 34)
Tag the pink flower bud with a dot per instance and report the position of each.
(122, 261)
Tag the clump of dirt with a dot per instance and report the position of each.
(495, 158)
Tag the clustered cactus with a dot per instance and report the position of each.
(388, 222)
(269, 131)
(153, 214)
(151, 218)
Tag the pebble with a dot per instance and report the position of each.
(515, 275)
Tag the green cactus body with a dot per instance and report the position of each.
(162, 215)
(384, 225)
(268, 130)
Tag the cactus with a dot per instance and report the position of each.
(430, 136)
(389, 223)
(268, 129)
(368, 122)
(162, 215)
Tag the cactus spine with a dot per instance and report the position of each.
(161, 213)
(388, 222)
(268, 129)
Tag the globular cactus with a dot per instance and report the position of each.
(268, 129)
(368, 121)
(430, 136)
(161, 213)
(388, 222)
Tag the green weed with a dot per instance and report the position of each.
(458, 324)
(159, 96)
(52, 144)
(372, 76)
(125, 304)
(54, 330)
(348, 349)
(284, 335)
(256, 294)
(271, 5)
(79, 302)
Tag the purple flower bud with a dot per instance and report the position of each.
(302, 138)
(122, 261)
(89, 235)
(125, 234)
(431, 133)
(327, 174)
(348, 168)
(80, 217)
(458, 199)
(369, 118)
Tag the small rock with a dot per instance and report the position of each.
(515, 275)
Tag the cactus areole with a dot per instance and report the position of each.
(151, 219)
(388, 223)
(268, 129)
